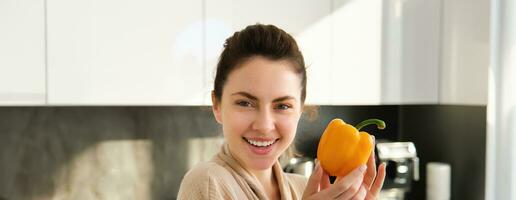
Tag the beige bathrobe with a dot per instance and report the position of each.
(224, 178)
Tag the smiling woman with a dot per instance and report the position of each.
(261, 104)
(258, 98)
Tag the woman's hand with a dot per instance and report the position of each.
(373, 182)
(361, 183)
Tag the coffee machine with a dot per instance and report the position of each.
(402, 168)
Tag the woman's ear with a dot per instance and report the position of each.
(216, 107)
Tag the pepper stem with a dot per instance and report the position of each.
(379, 123)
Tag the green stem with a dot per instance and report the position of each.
(379, 123)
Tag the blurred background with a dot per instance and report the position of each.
(111, 99)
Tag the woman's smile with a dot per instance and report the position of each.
(260, 146)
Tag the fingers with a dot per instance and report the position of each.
(371, 168)
(356, 173)
(353, 190)
(347, 185)
(351, 186)
(378, 183)
(325, 182)
(312, 186)
(361, 194)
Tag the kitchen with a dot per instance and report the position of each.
(111, 99)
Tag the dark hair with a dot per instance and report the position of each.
(258, 40)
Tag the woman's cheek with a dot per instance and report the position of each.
(239, 121)
(288, 125)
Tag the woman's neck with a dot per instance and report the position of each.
(266, 179)
(268, 182)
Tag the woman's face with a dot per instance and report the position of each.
(259, 110)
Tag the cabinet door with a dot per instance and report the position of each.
(118, 52)
(22, 52)
(307, 20)
(465, 52)
(386, 51)
(411, 46)
(356, 47)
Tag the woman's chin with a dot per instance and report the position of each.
(262, 164)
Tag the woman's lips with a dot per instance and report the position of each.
(260, 146)
(260, 138)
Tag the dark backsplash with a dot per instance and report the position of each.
(87, 152)
(451, 134)
(441, 133)
(37, 143)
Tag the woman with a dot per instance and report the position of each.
(258, 98)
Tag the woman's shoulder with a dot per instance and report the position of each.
(208, 169)
(207, 180)
(203, 172)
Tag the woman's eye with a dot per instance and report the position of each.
(283, 106)
(244, 103)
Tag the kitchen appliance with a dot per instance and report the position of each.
(402, 168)
(300, 165)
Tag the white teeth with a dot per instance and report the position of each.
(260, 143)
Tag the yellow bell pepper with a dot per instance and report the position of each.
(342, 148)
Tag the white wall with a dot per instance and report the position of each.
(501, 109)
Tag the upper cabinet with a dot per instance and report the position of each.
(22, 52)
(385, 52)
(356, 52)
(410, 52)
(120, 52)
(435, 52)
(307, 20)
(371, 52)
(465, 52)
(159, 52)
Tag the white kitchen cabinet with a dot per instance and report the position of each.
(435, 52)
(390, 55)
(411, 51)
(307, 20)
(22, 52)
(364, 52)
(356, 49)
(160, 52)
(465, 52)
(118, 52)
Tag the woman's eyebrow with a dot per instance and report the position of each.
(245, 94)
(283, 98)
(250, 96)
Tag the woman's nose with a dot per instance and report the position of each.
(264, 122)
